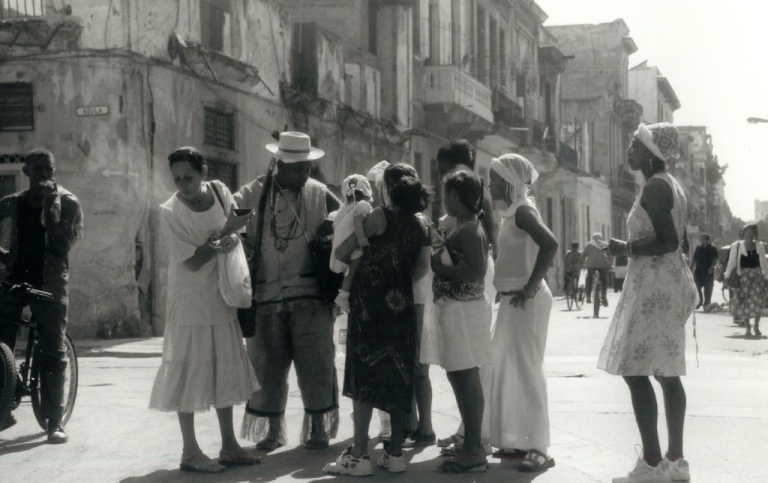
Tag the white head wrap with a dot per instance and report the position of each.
(519, 174)
(661, 139)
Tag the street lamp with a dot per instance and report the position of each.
(755, 120)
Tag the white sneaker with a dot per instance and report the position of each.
(644, 473)
(393, 464)
(677, 470)
(349, 466)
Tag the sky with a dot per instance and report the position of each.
(714, 55)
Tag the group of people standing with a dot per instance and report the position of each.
(415, 293)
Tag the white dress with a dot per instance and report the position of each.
(647, 333)
(344, 227)
(204, 360)
(516, 403)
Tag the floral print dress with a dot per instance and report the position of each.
(381, 336)
(647, 334)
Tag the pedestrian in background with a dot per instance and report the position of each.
(747, 260)
(703, 267)
(204, 361)
(571, 267)
(647, 333)
(464, 313)
(516, 406)
(595, 259)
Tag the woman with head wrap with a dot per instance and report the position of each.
(647, 334)
(516, 413)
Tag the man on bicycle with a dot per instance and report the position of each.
(571, 267)
(594, 259)
(38, 228)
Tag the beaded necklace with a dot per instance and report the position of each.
(284, 233)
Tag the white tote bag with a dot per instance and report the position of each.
(234, 278)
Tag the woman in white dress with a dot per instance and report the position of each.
(516, 412)
(204, 360)
(647, 334)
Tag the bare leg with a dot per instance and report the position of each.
(469, 397)
(646, 415)
(423, 388)
(362, 419)
(226, 427)
(187, 424)
(674, 405)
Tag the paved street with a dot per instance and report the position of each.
(113, 437)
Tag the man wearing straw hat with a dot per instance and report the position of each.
(293, 324)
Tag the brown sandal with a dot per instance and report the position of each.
(200, 463)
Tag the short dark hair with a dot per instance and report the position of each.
(752, 226)
(575, 244)
(409, 196)
(38, 153)
(469, 187)
(189, 154)
(458, 152)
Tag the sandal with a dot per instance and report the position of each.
(450, 440)
(240, 457)
(199, 463)
(268, 444)
(417, 440)
(510, 454)
(535, 461)
(316, 444)
(458, 466)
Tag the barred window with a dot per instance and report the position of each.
(224, 171)
(16, 107)
(219, 125)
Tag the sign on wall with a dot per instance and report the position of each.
(93, 111)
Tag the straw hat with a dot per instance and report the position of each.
(294, 147)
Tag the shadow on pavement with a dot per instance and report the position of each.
(23, 443)
(297, 462)
(498, 471)
(746, 337)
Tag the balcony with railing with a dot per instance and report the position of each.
(449, 85)
(12, 9)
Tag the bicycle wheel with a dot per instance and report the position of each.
(7, 382)
(70, 385)
(596, 301)
(578, 298)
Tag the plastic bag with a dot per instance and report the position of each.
(235, 278)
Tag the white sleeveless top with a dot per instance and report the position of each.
(517, 254)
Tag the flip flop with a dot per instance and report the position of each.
(535, 461)
(200, 463)
(417, 440)
(241, 457)
(457, 466)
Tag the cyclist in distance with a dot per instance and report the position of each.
(38, 228)
(571, 267)
(596, 259)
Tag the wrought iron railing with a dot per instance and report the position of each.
(21, 8)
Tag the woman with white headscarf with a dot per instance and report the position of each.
(647, 334)
(516, 412)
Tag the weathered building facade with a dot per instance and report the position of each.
(653, 92)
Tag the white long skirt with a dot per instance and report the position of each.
(516, 407)
(203, 366)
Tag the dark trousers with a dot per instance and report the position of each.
(51, 326)
(603, 274)
(706, 281)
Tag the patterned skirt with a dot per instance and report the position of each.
(750, 296)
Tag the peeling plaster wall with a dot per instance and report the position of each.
(103, 161)
(395, 52)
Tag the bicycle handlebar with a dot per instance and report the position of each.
(24, 291)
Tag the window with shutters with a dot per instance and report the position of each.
(219, 126)
(224, 171)
(16, 107)
(212, 21)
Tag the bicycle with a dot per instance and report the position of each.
(574, 295)
(17, 383)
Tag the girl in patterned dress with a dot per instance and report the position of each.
(647, 333)
(464, 313)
